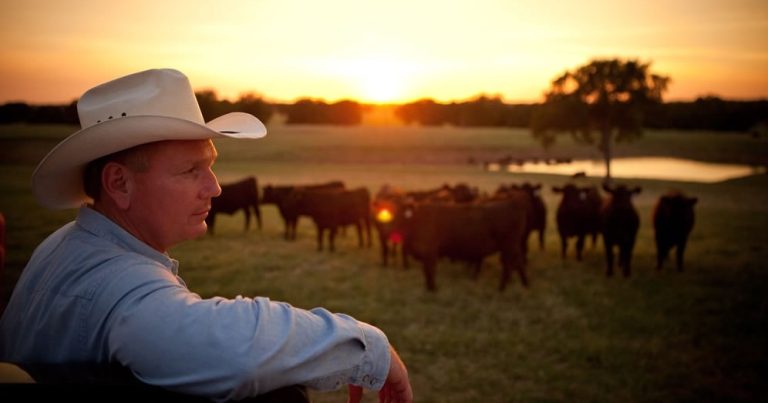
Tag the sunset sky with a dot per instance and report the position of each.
(379, 51)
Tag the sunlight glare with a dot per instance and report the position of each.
(378, 80)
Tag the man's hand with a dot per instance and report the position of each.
(397, 387)
(355, 394)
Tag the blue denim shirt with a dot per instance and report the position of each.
(92, 292)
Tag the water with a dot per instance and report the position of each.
(675, 169)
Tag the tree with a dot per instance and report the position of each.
(609, 97)
(255, 105)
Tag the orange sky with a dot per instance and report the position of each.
(379, 51)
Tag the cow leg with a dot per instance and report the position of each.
(509, 262)
(429, 273)
(292, 227)
(521, 266)
(608, 258)
(247, 218)
(367, 223)
(287, 222)
(680, 252)
(320, 231)
(506, 271)
(541, 239)
(625, 258)
(384, 245)
(332, 238)
(524, 244)
(563, 245)
(661, 254)
(579, 246)
(257, 212)
(359, 228)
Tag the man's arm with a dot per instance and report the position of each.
(236, 348)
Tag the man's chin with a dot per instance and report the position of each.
(197, 231)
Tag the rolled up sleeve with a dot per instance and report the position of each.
(235, 348)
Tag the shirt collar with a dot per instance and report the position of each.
(102, 227)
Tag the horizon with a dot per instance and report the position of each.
(380, 53)
(391, 104)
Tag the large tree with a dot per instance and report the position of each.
(607, 97)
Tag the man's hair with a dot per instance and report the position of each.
(135, 158)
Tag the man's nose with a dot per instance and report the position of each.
(211, 188)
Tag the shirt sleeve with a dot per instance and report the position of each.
(235, 348)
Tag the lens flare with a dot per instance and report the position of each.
(384, 216)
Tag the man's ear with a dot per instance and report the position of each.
(117, 184)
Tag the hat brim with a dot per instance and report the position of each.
(57, 182)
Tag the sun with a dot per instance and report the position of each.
(380, 80)
(381, 89)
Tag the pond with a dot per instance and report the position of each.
(663, 168)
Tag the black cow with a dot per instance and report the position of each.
(331, 209)
(469, 233)
(391, 208)
(620, 223)
(673, 219)
(289, 210)
(242, 195)
(578, 215)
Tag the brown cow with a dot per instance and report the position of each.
(242, 195)
(469, 233)
(289, 210)
(578, 215)
(331, 209)
(392, 205)
(537, 218)
(620, 223)
(673, 219)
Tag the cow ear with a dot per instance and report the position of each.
(557, 189)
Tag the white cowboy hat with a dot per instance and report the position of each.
(140, 108)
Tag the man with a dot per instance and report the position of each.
(102, 289)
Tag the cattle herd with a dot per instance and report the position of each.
(459, 223)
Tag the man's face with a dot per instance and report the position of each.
(170, 200)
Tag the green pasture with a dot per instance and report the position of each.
(573, 336)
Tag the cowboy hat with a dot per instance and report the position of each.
(144, 107)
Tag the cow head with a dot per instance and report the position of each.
(569, 192)
(621, 193)
(391, 213)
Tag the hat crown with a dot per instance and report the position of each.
(156, 92)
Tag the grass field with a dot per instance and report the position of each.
(574, 335)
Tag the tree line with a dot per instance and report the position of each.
(704, 113)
